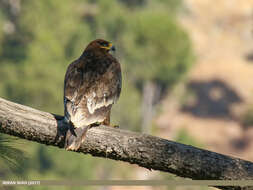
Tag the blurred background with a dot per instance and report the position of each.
(187, 76)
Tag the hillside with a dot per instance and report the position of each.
(219, 89)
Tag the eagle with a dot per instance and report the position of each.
(92, 85)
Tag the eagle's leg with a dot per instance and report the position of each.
(74, 142)
(107, 120)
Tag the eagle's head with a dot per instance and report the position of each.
(101, 46)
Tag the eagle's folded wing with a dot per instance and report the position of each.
(72, 83)
(87, 90)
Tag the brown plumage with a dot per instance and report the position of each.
(92, 85)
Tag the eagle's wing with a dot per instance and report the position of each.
(72, 83)
(91, 87)
(106, 88)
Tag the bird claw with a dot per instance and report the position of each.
(74, 146)
(73, 142)
(115, 126)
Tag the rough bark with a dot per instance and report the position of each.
(141, 149)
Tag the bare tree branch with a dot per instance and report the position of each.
(144, 150)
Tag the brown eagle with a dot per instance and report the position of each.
(92, 85)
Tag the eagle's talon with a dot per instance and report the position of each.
(73, 147)
(115, 126)
(74, 142)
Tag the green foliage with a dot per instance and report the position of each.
(46, 58)
(11, 156)
(166, 58)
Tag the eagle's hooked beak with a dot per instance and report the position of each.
(111, 47)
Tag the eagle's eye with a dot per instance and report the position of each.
(103, 44)
(106, 45)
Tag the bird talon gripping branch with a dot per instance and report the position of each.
(115, 126)
(92, 85)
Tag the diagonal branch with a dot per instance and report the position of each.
(144, 150)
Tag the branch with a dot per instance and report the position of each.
(141, 149)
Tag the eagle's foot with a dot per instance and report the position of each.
(73, 142)
(109, 125)
(74, 146)
(115, 126)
